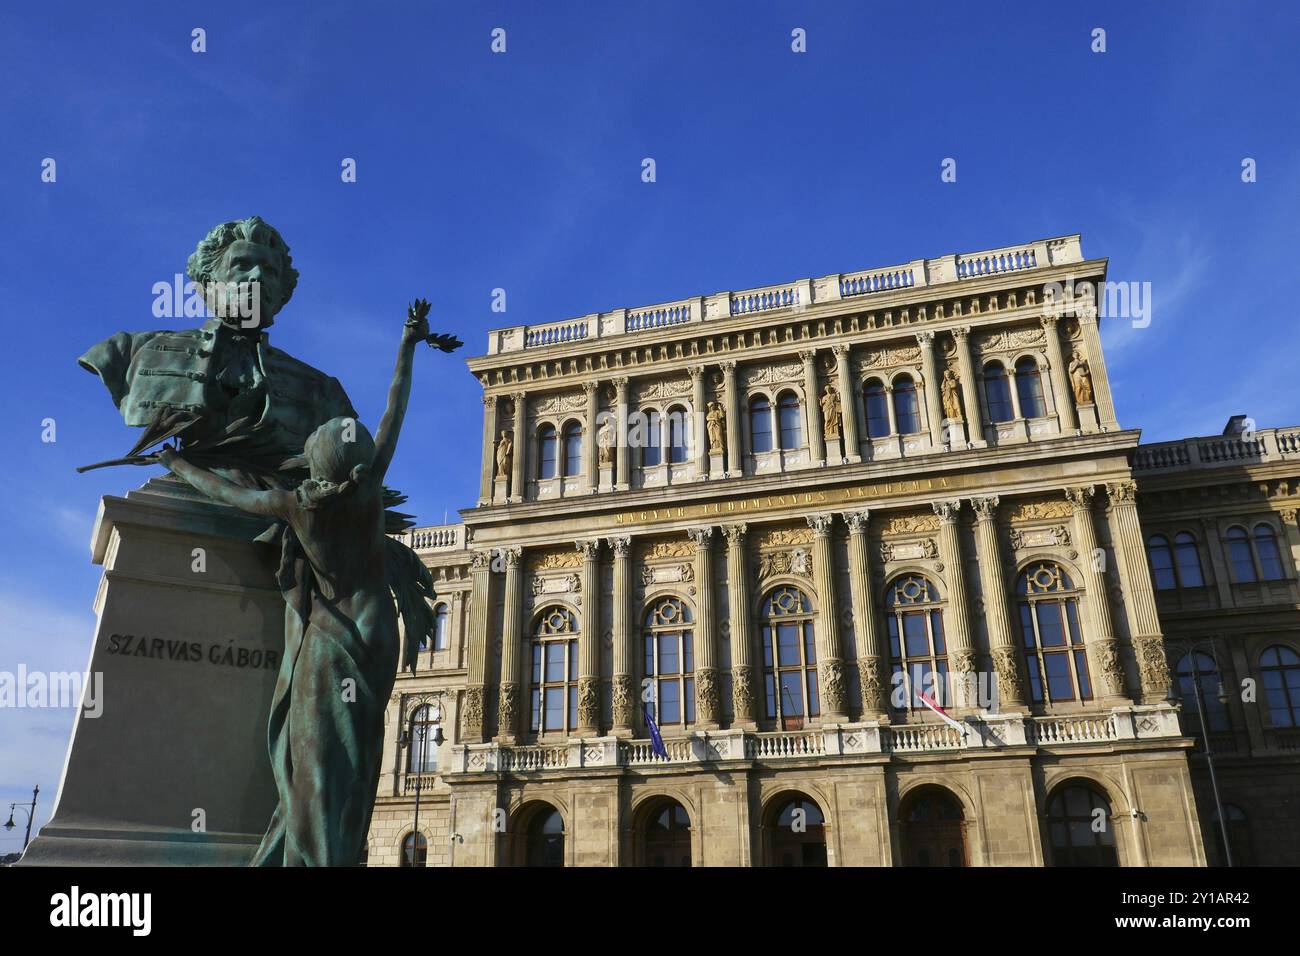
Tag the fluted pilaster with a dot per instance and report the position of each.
(513, 682)
(1003, 646)
(870, 649)
(962, 656)
(1140, 598)
(624, 654)
(708, 686)
(472, 719)
(743, 701)
(589, 641)
(830, 665)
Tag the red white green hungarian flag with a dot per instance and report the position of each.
(929, 701)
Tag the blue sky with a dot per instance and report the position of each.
(522, 171)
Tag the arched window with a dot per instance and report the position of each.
(1243, 851)
(544, 843)
(1188, 559)
(652, 450)
(553, 701)
(677, 435)
(441, 628)
(997, 393)
(907, 413)
(546, 452)
(1199, 686)
(916, 642)
(415, 850)
(1162, 563)
(1243, 563)
(572, 449)
(789, 658)
(790, 418)
(933, 829)
(1052, 637)
(670, 662)
(797, 834)
(1270, 559)
(760, 424)
(877, 410)
(1029, 386)
(667, 835)
(1280, 668)
(1080, 829)
(423, 754)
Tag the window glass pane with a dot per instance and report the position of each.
(554, 708)
(1072, 615)
(877, 411)
(573, 450)
(914, 634)
(690, 699)
(649, 654)
(1081, 667)
(537, 663)
(546, 453)
(1059, 686)
(1162, 564)
(809, 645)
(907, 414)
(1026, 625)
(1270, 562)
(1050, 628)
(534, 704)
(814, 705)
(573, 706)
(1035, 679)
(1189, 561)
(670, 703)
(791, 427)
(760, 425)
(1029, 386)
(555, 662)
(1243, 567)
(893, 636)
(997, 393)
(787, 639)
(936, 626)
(651, 452)
(792, 693)
(668, 654)
(770, 689)
(689, 664)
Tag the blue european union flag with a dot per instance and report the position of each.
(656, 740)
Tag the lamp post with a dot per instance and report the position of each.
(435, 718)
(30, 811)
(1221, 692)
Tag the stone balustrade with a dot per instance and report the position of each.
(866, 738)
(1218, 451)
(444, 537)
(799, 294)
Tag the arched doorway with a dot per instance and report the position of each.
(1079, 825)
(933, 829)
(665, 835)
(795, 831)
(540, 840)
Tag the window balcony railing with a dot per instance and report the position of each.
(984, 733)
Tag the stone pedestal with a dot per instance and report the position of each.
(499, 488)
(834, 451)
(606, 477)
(1088, 423)
(716, 470)
(954, 434)
(174, 769)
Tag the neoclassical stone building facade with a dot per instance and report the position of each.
(777, 520)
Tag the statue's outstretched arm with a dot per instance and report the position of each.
(399, 392)
(273, 504)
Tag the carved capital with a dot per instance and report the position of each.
(925, 339)
(588, 548)
(621, 546)
(624, 709)
(834, 698)
(703, 537)
(808, 356)
(1152, 666)
(857, 521)
(1122, 490)
(728, 366)
(735, 534)
(508, 707)
(589, 702)
(708, 701)
(841, 352)
(512, 556)
(947, 510)
(960, 331)
(742, 692)
(1081, 498)
(490, 401)
(480, 560)
(986, 508)
(472, 713)
(871, 682)
(821, 524)
(694, 371)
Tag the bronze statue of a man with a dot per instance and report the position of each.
(225, 370)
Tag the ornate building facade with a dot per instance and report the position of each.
(782, 522)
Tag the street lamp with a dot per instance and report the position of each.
(435, 718)
(30, 811)
(1221, 693)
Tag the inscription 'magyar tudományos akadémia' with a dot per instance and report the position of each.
(158, 648)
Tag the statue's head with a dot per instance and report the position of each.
(244, 251)
(340, 450)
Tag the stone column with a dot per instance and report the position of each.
(472, 720)
(1014, 388)
(873, 672)
(964, 662)
(589, 641)
(848, 402)
(1061, 389)
(816, 433)
(589, 458)
(708, 696)
(1087, 316)
(969, 388)
(830, 666)
(735, 454)
(519, 467)
(1003, 645)
(699, 443)
(743, 682)
(624, 650)
(933, 404)
(1103, 648)
(489, 449)
(1139, 595)
(513, 682)
(622, 456)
